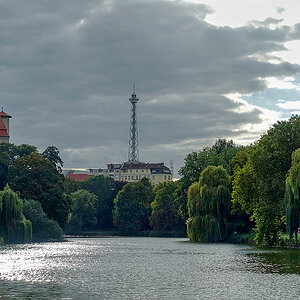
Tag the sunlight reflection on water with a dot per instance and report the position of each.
(146, 268)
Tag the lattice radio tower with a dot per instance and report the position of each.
(133, 153)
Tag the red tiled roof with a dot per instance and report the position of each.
(3, 114)
(3, 130)
(78, 177)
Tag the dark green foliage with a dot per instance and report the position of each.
(4, 163)
(259, 185)
(106, 190)
(83, 212)
(16, 151)
(32, 175)
(244, 191)
(35, 177)
(56, 205)
(52, 154)
(14, 228)
(8, 154)
(132, 206)
(220, 154)
(180, 196)
(292, 196)
(209, 206)
(71, 186)
(43, 229)
(165, 214)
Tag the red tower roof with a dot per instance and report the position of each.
(3, 114)
(3, 129)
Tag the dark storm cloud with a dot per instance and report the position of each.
(66, 70)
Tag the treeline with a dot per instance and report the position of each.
(226, 193)
(254, 188)
(100, 203)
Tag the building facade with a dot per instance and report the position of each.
(126, 172)
(4, 127)
(155, 172)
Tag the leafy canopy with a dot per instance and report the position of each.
(209, 206)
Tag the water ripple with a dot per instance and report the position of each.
(146, 268)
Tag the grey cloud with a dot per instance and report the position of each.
(266, 22)
(66, 69)
(280, 10)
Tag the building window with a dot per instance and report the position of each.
(169, 177)
(140, 177)
(153, 177)
(132, 177)
(165, 177)
(136, 177)
(130, 171)
(142, 170)
(122, 178)
(148, 176)
(125, 177)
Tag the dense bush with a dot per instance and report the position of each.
(43, 229)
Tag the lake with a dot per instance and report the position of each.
(147, 268)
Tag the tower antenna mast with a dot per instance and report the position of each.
(133, 153)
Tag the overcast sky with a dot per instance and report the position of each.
(203, 70)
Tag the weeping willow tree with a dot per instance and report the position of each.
(14, 228)
(292, 196)
(209, 205)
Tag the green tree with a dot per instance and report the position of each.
(4, 164)
(180, 196)
(14, 228)
(56, 205)
(83, 212)
(132, 206)
(71, 186)
(209, 206)
(165, 214)
(241, 210)
(220, 154)
(32, 175)
(52, 154)
(8, 154)
(43, 229)
(35, 177)
(259, 186)
(106, 190)
(292, 196)
(244, 182)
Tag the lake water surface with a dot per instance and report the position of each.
(147, 268)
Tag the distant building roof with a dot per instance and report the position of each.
(78, 177)
(158, 168)
(3, 129)
(113, 166)
(3, 114)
